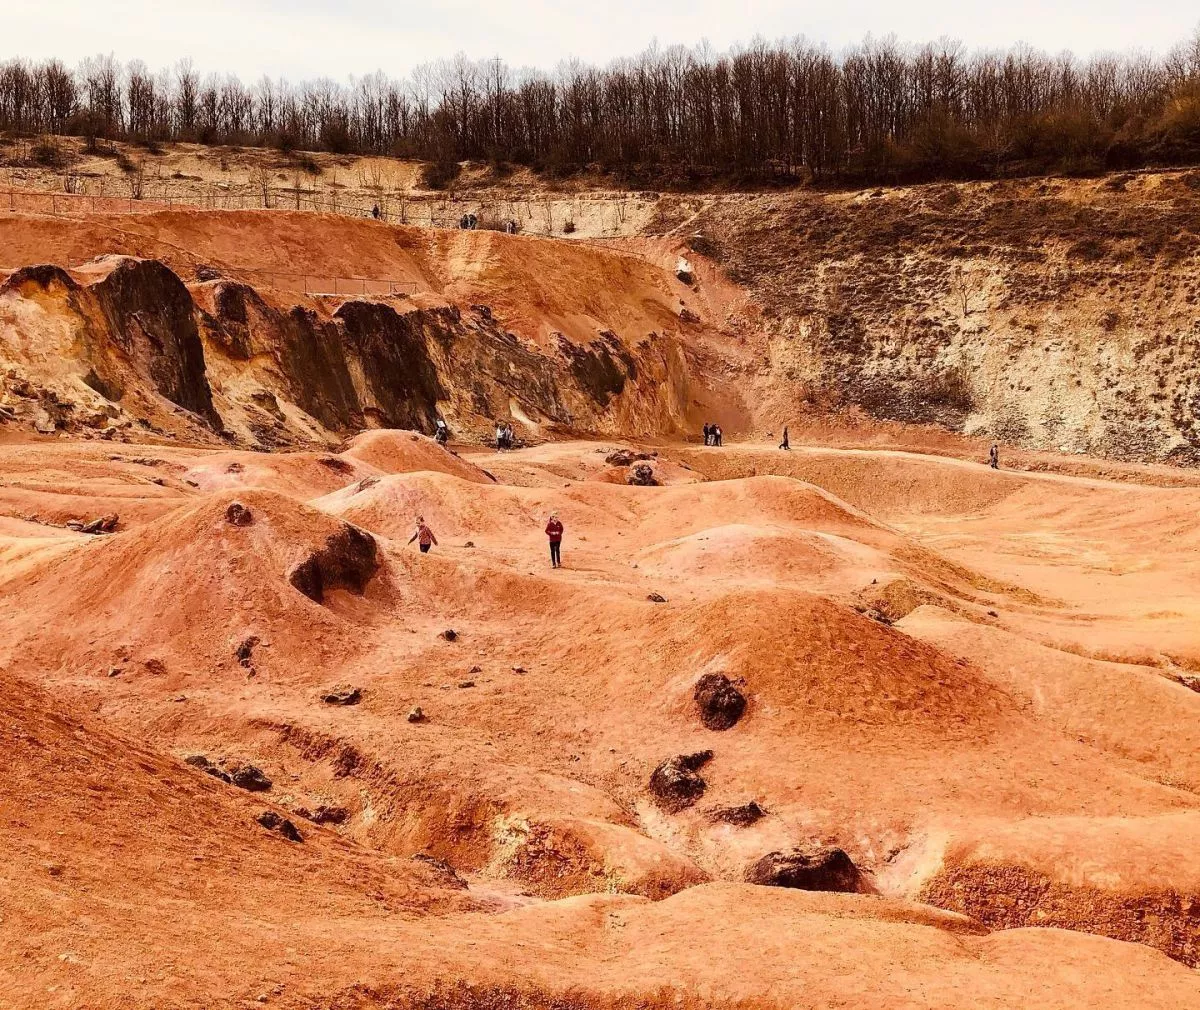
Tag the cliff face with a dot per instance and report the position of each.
(130, 345)
(1057, 314)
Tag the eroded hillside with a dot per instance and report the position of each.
(1058, 314)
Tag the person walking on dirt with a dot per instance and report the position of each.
(424, 535)
(785, 444)
(442, 434)
(707, 433)
(994, 456)
(716, 434)
(554, 530)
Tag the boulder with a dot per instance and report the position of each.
(675, 784)
(245, 651)
(823, 868)
(273, 822)
(342, 696)
(720, 703)
(642, 475)
(105, 524)
(247, 776)
(238, 515)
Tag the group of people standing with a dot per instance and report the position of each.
(425, 539)
(712, 434)
(504, 435)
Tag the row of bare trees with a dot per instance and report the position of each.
(878, 111)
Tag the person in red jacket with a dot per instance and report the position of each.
(424, 534)
(554, 530)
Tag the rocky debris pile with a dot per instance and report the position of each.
(676, 784)
(347, 560)
(742, 815)
(656, 598)
(105, 524)
(822, 868)
(720, 703)
(642, 475)
(326, 813)
(238, 515)
(238, 773)
(450, 635)
(273, 822)
(417, 715)
(342, 695)
(626, 457)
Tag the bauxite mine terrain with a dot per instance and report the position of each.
(858, 722)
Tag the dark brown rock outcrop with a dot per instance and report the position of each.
(720, 703)
(807, 869)
(348, 560)
(676, 784)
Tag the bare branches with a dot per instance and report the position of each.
(881, 111)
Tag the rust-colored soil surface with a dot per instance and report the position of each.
(260, 750)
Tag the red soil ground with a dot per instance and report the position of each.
(971, 681)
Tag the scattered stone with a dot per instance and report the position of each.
(365, 483)
(808, 869)
(625, 457)
(1190, 681)
(156, 667)
(675, 784)
(245, 651)
(656, 598)
(206, 766)
(114, 671)
(444, 869)
(992, 613)
(450, 635)
(234, 467)
(469, 543)
(347, 560)
(518, 669)
(742, 815)
(342, 696)
(54, 869)
(105, 524)
(273, 822)
(686, 315)
(466, 683)
(721, 704)
(642, 475)
(475, 669)
(238, 515)
(247, 776)
(416, 715)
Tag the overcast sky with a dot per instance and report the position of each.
(311, 38)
